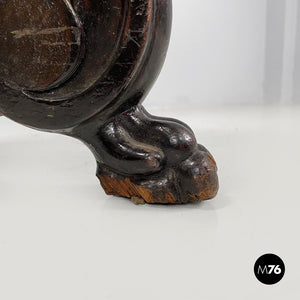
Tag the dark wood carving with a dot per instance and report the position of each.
(83, 68)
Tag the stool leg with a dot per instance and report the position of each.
(150, 159)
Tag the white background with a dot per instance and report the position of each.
(233, 51)
(232, 75)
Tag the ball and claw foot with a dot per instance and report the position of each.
(154, 160)
(194, 180)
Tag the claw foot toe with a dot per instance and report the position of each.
(193, 180)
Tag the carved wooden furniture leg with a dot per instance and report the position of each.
(150, 159)
(83, 68)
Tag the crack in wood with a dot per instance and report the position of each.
(33, 32)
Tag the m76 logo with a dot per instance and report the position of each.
(269, 269)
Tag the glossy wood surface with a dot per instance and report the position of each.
(83, 68)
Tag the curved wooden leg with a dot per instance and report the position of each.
(150, 159)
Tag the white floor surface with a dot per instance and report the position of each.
(62, 238)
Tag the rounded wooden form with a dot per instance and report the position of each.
(38, 51)
(83, 68)
(125, 46)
